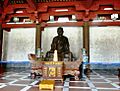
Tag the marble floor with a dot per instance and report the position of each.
(98, 80)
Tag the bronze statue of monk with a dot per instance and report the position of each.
(61, 44)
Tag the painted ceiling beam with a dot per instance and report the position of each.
(107, 12)
(82, 11)
(64, 24)
(31, 4)
(117, 4)
(18, 25)
(87, 3)
(30, 16)
(112, 23)
(59, 4)
(64, 13)
(106, 2)
(79, 23)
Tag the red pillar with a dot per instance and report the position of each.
(38, 38)
(86, 38)
(1, 39)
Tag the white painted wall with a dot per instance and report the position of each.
(21, 42)
(105, 44)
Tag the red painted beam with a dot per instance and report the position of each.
(106, 2)
(64, 13)
(21, 15)
(42, 25)
(31, 16)
(114, 23)
(10, 9)
(18, 25)
(19, 6)
(107, 12)
(1, 9)
(59, 4)
(87, 3)
(62, 24)
(42, 8)
(117, 4)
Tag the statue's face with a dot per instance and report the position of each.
(60, 32)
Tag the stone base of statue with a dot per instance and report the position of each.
(68, 56)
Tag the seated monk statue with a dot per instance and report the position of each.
(61, 44)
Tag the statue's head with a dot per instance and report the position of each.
(60, 31)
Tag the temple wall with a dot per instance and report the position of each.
(19, 43)
(105, 44)
(5, 45)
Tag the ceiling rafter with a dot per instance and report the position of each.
(87, 3)
(1, 10)
(31, 16)
(59, 4)
(106, 2)
(65, 13)
(84, 10)
(32, 4)
(5, 3)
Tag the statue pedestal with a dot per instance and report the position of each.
(53, 70)
(61, 56)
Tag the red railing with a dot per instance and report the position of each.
(55, 0)
(39, 1)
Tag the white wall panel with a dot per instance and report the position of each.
(21, 42)
(105, 44)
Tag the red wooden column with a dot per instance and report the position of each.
(86, 38)
(38, 38)
(1, 39)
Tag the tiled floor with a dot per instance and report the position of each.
(97, 81)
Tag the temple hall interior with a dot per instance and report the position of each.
(59, 45)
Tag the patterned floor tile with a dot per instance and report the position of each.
(99, 80)
(79, 89)
(37, 89)
(78, 84)
(11, 88)
(5, 80)
(26, 82)
(108, 90)
(103, 85)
